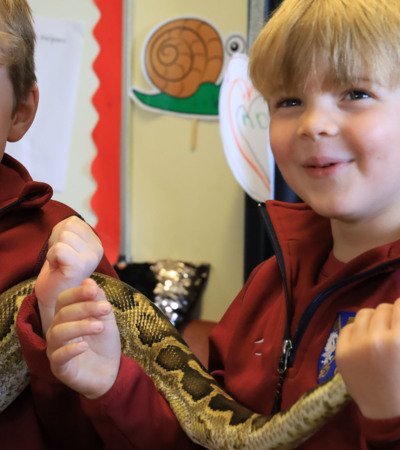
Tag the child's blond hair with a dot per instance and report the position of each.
(17, 44)
(342, 40)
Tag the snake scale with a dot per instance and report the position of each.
(207, 414)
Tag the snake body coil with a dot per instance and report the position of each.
(207, 414)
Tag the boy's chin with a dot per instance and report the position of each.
(340, 216)
(332, 211)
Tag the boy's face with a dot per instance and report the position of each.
(15, 122)
(339, 148)
(6, 108)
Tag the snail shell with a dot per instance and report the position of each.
(182, 54)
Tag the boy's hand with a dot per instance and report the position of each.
(368, 358)
(83, 344)
(74, 253)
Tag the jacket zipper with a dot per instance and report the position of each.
(290, 345)
(287, 348)
(283, 366)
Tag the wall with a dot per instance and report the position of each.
(80, 184)
(184, 203)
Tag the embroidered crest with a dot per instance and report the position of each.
(327, 362)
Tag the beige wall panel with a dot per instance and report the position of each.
(186, 203)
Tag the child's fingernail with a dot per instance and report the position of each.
(90, 289)
(104, 307)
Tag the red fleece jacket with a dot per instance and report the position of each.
(48, 415)
(246, 346)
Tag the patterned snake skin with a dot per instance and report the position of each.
(208, 415)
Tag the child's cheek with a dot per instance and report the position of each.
(281, 142)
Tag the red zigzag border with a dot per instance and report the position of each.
(106, 134)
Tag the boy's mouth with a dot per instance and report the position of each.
(324, 165)
(321, 165)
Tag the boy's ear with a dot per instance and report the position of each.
(24, 115)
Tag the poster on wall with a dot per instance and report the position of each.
(244, 127)
(58, 58)
(183, 60)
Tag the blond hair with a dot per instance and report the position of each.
(342, 39)
(17, 44)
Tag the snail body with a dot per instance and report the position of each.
(182, 54)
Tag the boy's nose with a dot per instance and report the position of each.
(316, 123)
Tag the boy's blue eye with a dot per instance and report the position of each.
(288, 102)
(357, 94)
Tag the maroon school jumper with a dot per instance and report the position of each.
(294, 303)
(48, 415)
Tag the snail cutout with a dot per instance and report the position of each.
(184, 59)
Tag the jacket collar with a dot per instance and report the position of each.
(18, 190)
(305, 238)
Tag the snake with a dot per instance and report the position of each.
(208, 415)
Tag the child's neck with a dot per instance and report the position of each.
(353, 239)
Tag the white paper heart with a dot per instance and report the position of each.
(244, 126)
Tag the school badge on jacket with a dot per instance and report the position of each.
(327, 361)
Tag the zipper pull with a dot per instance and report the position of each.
(282, 369)
(284, 360)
